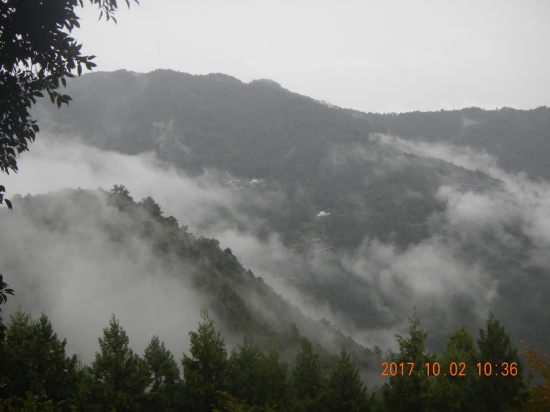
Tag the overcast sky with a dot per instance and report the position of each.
(379, 56)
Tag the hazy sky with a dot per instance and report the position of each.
(380, 56)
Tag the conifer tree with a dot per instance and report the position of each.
(460, 357)
(119, 375)
(410, 393)
(244, 374)
(501, 391)
(204, 370)
(275, 389)
(257, 379)
(345, 391)
(164, 376)
(163, 369)
(119, 196)
(306, 377)
(151, 207)
(35, 360)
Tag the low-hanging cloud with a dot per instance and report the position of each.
(79, 279)
(429, 275)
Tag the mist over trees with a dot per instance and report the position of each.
(123, 242)
(519, 139)
(38, 374)
(37, 371)
(324, 231)
(392, 200)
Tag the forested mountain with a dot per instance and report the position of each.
(519, 139)
(400, 229)
(349, 221)
(285, 254)
(322, 158)
(121, 235)
(282, 363)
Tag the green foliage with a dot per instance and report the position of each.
(163, 369)
(500, 392)
(4, 291)
(34, 360)
(37, 54)
(164, 377)
(244, 372)
(307, 380)
(204, 371)
(234, 404)
(458, 393)
(119, 375)
(276, 389)
(150, 206)
(120, 197)
(258, 379)
(2, 199)
(345, 391)
(410, 393)
(31, 403)
(252, 378)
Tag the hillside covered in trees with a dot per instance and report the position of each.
(320, 157)
(414, 216)
(250, 378)
(281, 360)
(297, 247)
(519, 139)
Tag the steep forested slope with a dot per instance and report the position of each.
(276, 366)
(112, 233)
(321, 158)
(402, 229)
(252, 130)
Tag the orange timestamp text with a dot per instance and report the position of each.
(455, 369)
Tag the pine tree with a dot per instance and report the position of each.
(244, 374)
(345, 391)
(410, 393)
(257, 379)
(306, 377)
(460, 357)
(164, 376)
(150, 206)
(274, 391)
(501, 391)
(204, 371)
(119, 375)
(120, 197)
(35, 360)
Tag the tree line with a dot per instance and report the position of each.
(37, 374)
